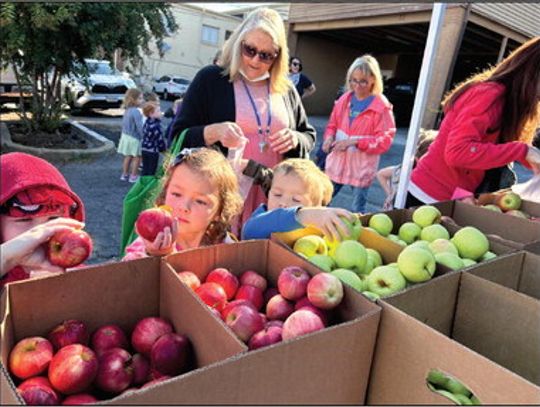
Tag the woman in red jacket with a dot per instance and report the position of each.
(489, 122)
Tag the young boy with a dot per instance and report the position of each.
(153, 141)
(298, 192)
(35, 203)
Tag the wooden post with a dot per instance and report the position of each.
(451, 35)
(292, 39)
(502, 50)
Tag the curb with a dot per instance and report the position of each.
(108, 147)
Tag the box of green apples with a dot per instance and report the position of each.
(460, 339)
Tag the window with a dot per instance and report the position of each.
(210, 34)
(181, 81)
(227, 34)
(164, 79)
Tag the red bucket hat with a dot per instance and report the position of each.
(30, 186)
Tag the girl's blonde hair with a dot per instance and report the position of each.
(368, 66)
(130, 98)
(318, 184)
(213, 166)
(270, 22)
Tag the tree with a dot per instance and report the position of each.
(43, 42)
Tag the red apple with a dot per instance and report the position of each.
(253, 278)
(37, 391)
(323, 315)
(264, 318)
(216, 313)
(234, 303)
(73, 368)
(115, 372)
(141, 369)
(213, 295)
(224, 278)
(154, 381)
(69, 248)
(269, 293)
(30, 357)
(279, 308)
(302, 302)
(274, 322)
(107, 337)
(152, 221)
(147, 331)
(78, 399)
(252, 294)
(325, 291)
(268, 336)
(190, 279)
(69, 332)
(292, 282)
(301, 322)
(244, 321)
(171, 354)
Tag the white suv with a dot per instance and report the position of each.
(104, 87)
(167, 86)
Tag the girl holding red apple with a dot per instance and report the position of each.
(201, 188)
(35, 203)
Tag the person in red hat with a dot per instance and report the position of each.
(35, 203)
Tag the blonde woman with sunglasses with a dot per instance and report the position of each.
(248, 99)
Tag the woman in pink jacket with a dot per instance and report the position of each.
(360, 129)
(489, 122)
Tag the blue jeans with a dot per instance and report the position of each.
(359, 197)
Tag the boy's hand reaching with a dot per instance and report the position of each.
(27, 249)
(164, 242)
(327, 220)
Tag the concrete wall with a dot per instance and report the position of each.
(325, 63)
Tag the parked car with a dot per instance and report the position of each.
(401, 94)
(167, 86)
(9, 89)
(103, 87)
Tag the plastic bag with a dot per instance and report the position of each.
(235, 156)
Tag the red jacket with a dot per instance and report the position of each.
(466, 144)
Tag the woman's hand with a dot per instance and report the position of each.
(228, 133)
(343, 144)
(283, 141)
(164, 242)
(533, 158)
(327, 144)
(27, 249)
(327, 220)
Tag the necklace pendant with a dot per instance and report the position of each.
(263, 146)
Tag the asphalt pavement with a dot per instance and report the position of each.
(98, 182)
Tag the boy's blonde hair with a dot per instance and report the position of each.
(151, 97)
(130, 98)
(369, 67)
(270, 22)
(149, 108)
(317, 183)
(213, 166)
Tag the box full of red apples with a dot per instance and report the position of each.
(104, 333)
(310, 338)
(461, 339)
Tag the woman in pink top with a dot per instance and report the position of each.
(489, 122)
(360, 129)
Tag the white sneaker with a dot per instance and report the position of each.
(133, 178)
(124, 177)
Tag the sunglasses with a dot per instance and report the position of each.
(362, 82)
(296, 64)
(265, 57)
(185, 153)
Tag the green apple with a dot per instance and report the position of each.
(351, 254)
(456, 387)
(488, 256)
(323, 261)
(492, 207)
(409, 232)
(355, 228)
(468, 262)
(450, 396)
(437, 378)
(509, 201)
(384, 281)
(394, 264)
(421, 244)
(475, 401)
(443, 246)
(382, 223)
(426, 215)
(350, 278)
(517, 214)
(450, 260)
(463, 400)
(471, 243)
(371, 229)
(371, 296)
(433, 232)
(396, 239)
(375, 256)
(310, 245)
(416, 264)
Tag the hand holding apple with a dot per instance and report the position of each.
(331, 221)
(69, 248)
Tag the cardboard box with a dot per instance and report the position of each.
(529, 207)
(330, 366)
(515, 233)
(479, 332)
(120, 293)
(519, 271)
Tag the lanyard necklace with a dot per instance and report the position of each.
(263, 136)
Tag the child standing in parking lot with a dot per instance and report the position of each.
(153, 141)
(130, 141)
